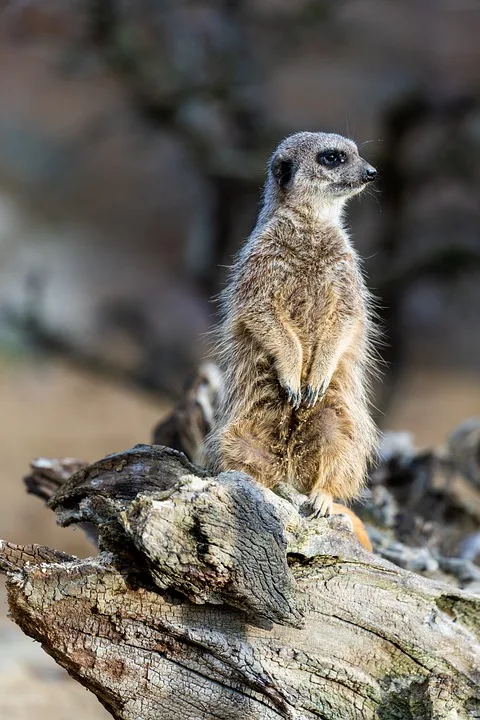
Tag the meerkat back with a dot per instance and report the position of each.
(295, 339)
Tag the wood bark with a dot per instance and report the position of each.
(214, 598)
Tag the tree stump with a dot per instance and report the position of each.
(212, 597)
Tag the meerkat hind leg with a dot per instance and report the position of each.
(320, 504)
(243, 449)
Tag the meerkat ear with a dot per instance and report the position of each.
(282, 170)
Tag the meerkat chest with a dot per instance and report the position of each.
(306, 279)
(315, 291)
(305, 304)
(303, 295)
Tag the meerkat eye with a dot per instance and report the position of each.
(332, 158)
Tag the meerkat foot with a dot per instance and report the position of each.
(315, 393)
(320, 504)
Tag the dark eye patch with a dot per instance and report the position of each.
(331, 158)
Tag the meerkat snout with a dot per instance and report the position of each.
(369, 173)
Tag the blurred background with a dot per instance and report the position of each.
(134, 137)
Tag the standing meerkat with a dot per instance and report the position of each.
(294, 342)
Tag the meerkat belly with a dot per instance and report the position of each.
(306, 306)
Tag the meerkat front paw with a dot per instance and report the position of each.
(314, 393)
(320, 504)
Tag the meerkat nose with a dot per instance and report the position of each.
(369, 174)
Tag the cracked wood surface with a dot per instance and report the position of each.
(213, 598)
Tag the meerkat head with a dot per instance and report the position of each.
(318, 169)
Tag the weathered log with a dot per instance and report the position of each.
(214, 598)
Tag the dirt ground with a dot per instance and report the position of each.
(53, 410)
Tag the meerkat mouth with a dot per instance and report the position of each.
(348, 188)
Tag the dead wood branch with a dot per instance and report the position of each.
(213, 598)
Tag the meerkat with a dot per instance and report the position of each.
(295, 339)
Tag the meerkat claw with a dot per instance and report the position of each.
(311, 396)
(314, 394)
(324, 388)
(321, 504)
(294, 397)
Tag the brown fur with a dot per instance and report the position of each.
(296, 328)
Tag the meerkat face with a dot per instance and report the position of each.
(322, 165)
